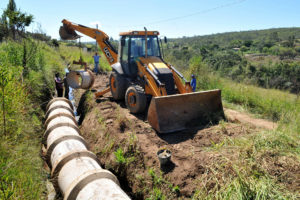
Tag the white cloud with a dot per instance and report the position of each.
(93, 24)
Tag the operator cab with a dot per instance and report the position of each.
(133, 46)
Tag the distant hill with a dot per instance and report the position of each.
(223, 39)
(266, 58)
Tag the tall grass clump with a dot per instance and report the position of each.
(263, 149)
(270, 103)
(27, 70)
(281, 107)
(242, 186)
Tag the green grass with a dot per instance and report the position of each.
(70, 54)
(22, 175)
(257, 153)
(21, 172)
(269, 103)
(162, 188)
(123, 158)
(120, 156)
(157, 195)
(243, 188)
(26, 91)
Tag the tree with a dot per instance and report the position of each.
(274, 37)
(236, 43)
(203, 52)
(248, 43)
(55, 42)
(14, 20)
(291, 41)
(287, 53)
(3, 27)
(12, 5)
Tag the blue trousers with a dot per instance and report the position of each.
(96, 68)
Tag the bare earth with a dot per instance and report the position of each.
(109, 125)
(235, 116)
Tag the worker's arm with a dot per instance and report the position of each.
(101, 38)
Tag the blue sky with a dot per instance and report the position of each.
(172, 18)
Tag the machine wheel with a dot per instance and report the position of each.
(117, 86)
(135, 99)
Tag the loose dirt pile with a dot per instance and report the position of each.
(113, 133)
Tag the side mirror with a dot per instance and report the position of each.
(122, 42)
(165, 39)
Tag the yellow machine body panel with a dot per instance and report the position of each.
(170, 113)
(153, 62)
(167, 112)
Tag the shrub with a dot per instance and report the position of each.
(120, 156)
(287, 53)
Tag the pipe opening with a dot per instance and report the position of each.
(80, 79)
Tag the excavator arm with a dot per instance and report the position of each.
(67, 32)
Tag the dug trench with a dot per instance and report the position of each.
(127, 146)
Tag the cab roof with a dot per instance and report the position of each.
(139, 33)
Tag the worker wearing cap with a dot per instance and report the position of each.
(96, 61)
(193, 83)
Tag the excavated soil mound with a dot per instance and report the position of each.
(108, 126)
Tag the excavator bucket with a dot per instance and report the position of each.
(178, 112)
(68, 34)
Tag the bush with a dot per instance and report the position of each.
(244, 49)
(248, 43)
(265, 50)
(287, 53)
(275, 50)
(297, 49)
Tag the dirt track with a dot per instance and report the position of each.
(108, 125)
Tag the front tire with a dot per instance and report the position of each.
(117, 86)
(135, 99)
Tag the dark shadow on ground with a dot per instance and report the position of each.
(179, 136)
(82, 107)
(169, 167)
(124, 183)
(140, 116)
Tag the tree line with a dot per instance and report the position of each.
(267, 58)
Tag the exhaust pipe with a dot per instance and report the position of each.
(75, 170)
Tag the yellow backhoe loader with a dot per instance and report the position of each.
(140, 73)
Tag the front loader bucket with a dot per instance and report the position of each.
(67, 33)
(178, 112)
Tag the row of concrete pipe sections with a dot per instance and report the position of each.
(75, 171)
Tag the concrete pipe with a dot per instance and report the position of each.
(80, 79)
(60, 109)
(62, 145)
(59, 101)
(59, 129)
(75, 170)
(60, 118)
(89, 181)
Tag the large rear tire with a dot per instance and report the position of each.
(135, 99)
(117, 86)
